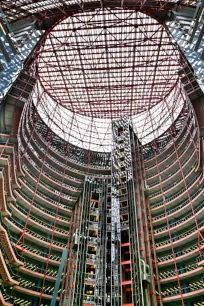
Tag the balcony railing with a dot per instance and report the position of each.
(34, 268)
(42, 208)
(175, 290)
(34, 251)
(175, 171)
(172, 184)
(73, 199)
(48, 225)
(6, 259)
(31, 286)
(176, 194)
(177, 141)
(164, 228)
(98, 161)
(180, 253)
(36, 235)
(171, 211)
(172, 273)
(183, 235)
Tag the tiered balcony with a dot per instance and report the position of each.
(3, 203)
(78, 158)
(49, 181)
(33, 221)
(40, 145)
(182, 146)
(179, 196)
(5, 299)
(8, 249)
(29, 288)
(34, 271)
(175, 193)
(181, 239)
(173, 171)
(6, 272)
(34, 236)
(174, 188)
(193, 291)
(182, 209)
(188, 272)
(40, 197)
(10, 150)
(75, 158)
(184, 222)
(185, 254)
(55, 214)
(36, 253)
(166, 145)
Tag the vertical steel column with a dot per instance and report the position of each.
(59, 276)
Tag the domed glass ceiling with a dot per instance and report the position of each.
(108, 63)
(97, 66)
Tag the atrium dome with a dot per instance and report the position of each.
(97, 66)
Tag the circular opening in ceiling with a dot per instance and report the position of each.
(108, 63)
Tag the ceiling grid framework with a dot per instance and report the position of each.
(101, 60)
(87, 65)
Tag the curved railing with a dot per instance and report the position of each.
(46, 175)
(172, 273)
(26, 145)
(31, 286)
(177, 194)
(98, 160)
(183, 235)
(54, 191)
(36, 235)
(200, 258)
(13, 275)
(42, 208)
(34, 268)
(58, 163)
(167, 156)
(21, 259)
(182, 252)
(183, 163)
(183, 219)
(38, 221)
(175, 290)
(165, 189)
(23, 140)
(66, 176)
(34, 251)
(177, 140)
(171, 211)
(48, 199)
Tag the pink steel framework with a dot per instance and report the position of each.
(85, 91)
(108, 63)
(103, 59)
(200, 237)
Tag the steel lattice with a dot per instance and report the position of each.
(108, 63)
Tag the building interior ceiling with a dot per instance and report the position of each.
(101, 153)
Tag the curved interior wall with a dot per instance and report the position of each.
(41, 188)
(175, 196)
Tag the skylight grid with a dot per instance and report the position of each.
(107, 64)
(96, 66)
